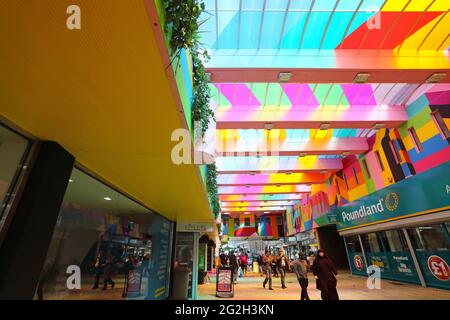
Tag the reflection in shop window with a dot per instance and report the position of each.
(121, 247)
(430, 238)
(371, 243)
(13, 152)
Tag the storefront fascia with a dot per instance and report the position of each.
(416, 202)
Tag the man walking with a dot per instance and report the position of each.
(300, 267)
(282, 266)
(267, 269)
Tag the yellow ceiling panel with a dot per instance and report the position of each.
(102, 93)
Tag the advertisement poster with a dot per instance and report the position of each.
(224, 279)
(133, 284)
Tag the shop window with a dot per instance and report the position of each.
(393, 240)
(225, 222)
(353, 244)
(236, 222)
(371, 243)
(380, 163)
(13, 153)
(355, 175)
(247, 222)
(117, 244)
(415, 139)
(440, 123)
(430, 238)
(257, 221)
(279, 220)
(366, 167)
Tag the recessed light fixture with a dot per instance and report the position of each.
(345, 153)
(107, 198)
(302, 154)
(284, 76)
(361, 78)
(278, 185)
(289, 172)
(252, 173)
(436, 77)
(324, 126)
(268, 126)
(266, 211)
(70, 180)
(247, 186)
(247, 213)
(378, 126)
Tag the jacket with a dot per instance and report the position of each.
(300, 268)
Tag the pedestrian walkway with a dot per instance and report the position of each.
(349, 288)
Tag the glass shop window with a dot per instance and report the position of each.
(122, 249)
(13, 153)
(430, 238)
(393, 240)
(371, 243)
(247, 222)
(236, 223)
(353, 244)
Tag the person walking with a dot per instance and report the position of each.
(107, 270)
(244, 262)
(267, 269)
(234, 264)
(223, 259)
(260, 263)
(98, 270)
(282, 265)
(273, 264)
(325, 273)
(300, 267)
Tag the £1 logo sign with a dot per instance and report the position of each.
(439, 268)
(358, 262)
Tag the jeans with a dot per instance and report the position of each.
(268, 272)
(283, 277)
(304, 285)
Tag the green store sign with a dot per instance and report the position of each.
(423, 193)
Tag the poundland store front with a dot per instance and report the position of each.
(404, 229)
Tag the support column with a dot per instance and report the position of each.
(414, 257)
(25, 246)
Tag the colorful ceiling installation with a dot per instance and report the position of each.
(276, 140)
(327, 24)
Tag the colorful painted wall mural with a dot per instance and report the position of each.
(421, 143)
(245, 225)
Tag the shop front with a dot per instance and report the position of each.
(307, 242)
(403, 229)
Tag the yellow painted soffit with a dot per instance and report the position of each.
(102, 93)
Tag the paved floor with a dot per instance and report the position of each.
(349, 288)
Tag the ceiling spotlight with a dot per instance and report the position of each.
(324, 126)
(278, 185)
(323, 171)
(107, 198)
(268, 126)
(70, 180)
(284, 76)
(378, 126)
(266, 211)
(436, 77)
(247, 186)
(247, 213)
(252, 173)
(302, 154)
(289, 172)
(345, 153)
(361, 78)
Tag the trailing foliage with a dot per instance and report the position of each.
(182, 25)
(211, 187)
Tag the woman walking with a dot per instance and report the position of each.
(267, 269)
(325, 273)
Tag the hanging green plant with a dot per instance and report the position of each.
(182, 24)
(211, 187)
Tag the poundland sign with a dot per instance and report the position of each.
(424, 193)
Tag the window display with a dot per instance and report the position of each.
(121, 248)
(14, 149)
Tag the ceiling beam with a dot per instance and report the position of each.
(289, 147)
(260, 197)
(256, 204)
(277, 164)
(271, 179)
(243, 117)
(265, 189)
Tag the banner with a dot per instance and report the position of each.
(426, 192)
